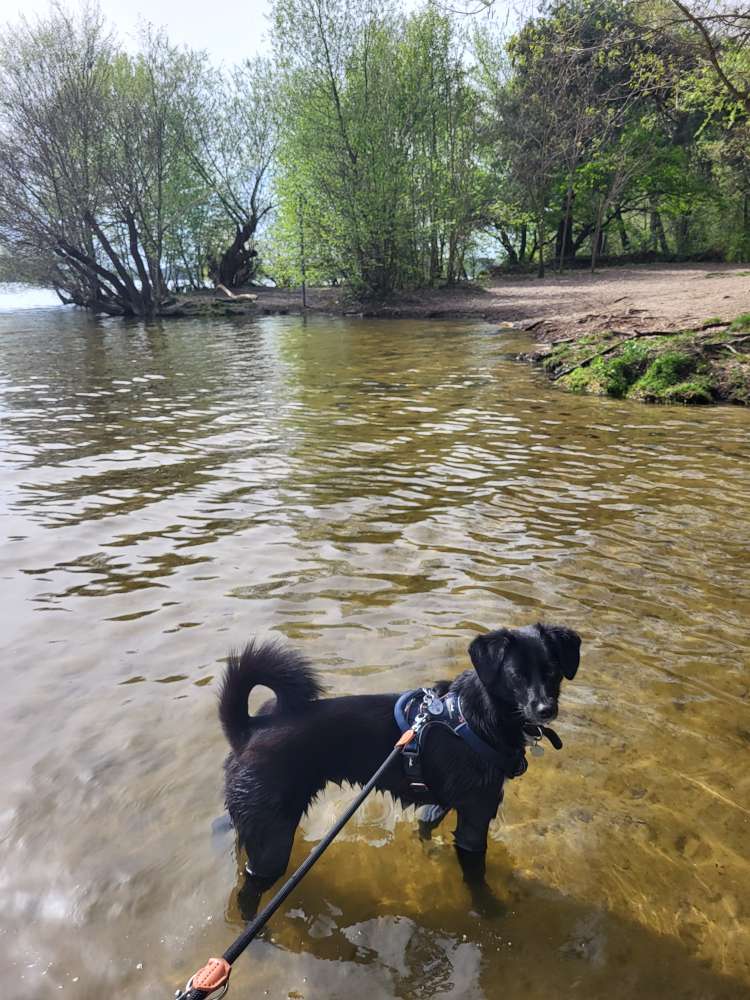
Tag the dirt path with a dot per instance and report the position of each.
(667, 296)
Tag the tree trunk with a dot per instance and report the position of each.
(624, 238)
(662, 237)
(564, 248)
(522, 249)
(596, 238)
(507, 243)
(683, 233)
(540, 241)
(434, 256)
(658, 238)
(237, 264)
(451, 267)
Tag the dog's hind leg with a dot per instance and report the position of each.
(429, 818)
(267, 860)
(268, 850)
(250, 893)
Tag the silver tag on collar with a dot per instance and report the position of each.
(532, 735)
(435, 707)
(536, 750)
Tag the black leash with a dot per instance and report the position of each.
(213, 979)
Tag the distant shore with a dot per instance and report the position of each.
(681, 295)
(658, 333)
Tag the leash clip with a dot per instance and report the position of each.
(420, 722)
(219, 992)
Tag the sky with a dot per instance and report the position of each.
(235, 31)
(238, 29)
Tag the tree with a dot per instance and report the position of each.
(54, 82)
(723, 33)
(526, 120)
(232, 137)
(89, 149)
(379, 136)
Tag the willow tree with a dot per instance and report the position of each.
(377, 143)
(54, 89)
(446, 142)
(231, 138)
(340, 153)
(90, 150)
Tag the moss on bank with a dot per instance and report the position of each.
(708, 365)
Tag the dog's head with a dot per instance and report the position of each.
(523, 667)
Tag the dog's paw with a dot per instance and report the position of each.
(487, 906)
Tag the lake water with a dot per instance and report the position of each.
(377, 492)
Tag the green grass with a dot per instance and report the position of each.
(741, 323)
(664, 373)
(698, 389)
(685, 367)
(615, 374)
(643, 370)
(579, 380)
(674, 377)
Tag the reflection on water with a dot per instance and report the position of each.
(376, 492)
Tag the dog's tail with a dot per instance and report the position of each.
(284, 671)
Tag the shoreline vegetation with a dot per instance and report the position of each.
(373, 151)
(710, 364)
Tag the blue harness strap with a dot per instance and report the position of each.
(400, 709)
(478, 745)
(446, 711)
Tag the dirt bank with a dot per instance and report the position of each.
(677, 335)
(678, 295)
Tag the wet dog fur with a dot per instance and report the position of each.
(282, 757)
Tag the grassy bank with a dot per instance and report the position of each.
(707, 365)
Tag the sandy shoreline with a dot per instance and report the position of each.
(665, 296)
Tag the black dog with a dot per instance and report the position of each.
(282, 757)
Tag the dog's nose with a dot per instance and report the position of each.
(545, 710)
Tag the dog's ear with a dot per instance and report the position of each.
(487, 653)
(566, 646)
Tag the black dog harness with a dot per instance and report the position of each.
(422, 709)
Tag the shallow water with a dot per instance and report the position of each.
(377, 492)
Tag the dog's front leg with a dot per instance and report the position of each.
(470, 834)
(473, 867)
(470, 838)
